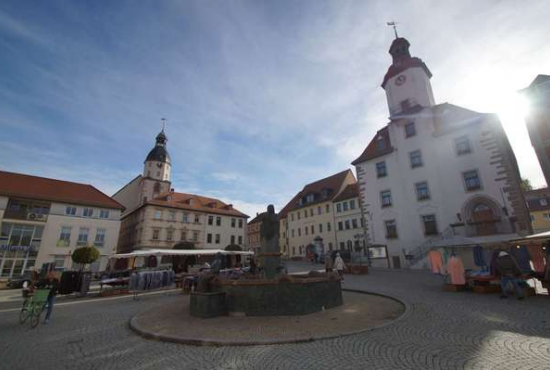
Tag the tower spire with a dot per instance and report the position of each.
(163, 120)
(394, 25)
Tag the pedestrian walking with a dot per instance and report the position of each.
(329, 264)
(339, 266)
(51, 282)
(508, 270)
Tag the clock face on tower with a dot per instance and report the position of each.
(400, 80)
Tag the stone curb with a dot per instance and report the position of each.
(136, 328)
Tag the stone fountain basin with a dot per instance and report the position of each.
(293, 296)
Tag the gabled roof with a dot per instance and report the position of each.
(372, 151)
(331, 183)
(538, 80)
(41, 188)
(351, 191)
(194, 202)
(259, 218)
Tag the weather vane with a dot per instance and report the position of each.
(394, 25)
(163, 123)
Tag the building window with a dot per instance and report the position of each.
(330, 246)
(312, 229)
(158, 215)
(169, 235)
(391, 229)
(347, 224)
(410, 130)
(309, 198)
(385, 196)
(240, 240)
(195, 236)
(293, 251)
(210, 220)
(380, 143)
(183, 235)
(416, 159)
(340, 225)
(185, 217)
(70, 211)
(232, 239)
(352, 204)
(103, 213)
(338, 207)
(311, 212)
(87, 212)
(342, 246)
(328, 226)
(171, 216)
(345, 206)
(546, 216)
(422, 192)
(543, 202)
(328, 208)
(320, 228)
(218, 237)
(209, 238)
(381, 170)
(59, 261)
(292, 216)
(241, 223)
(100, 238)
(64, 237)
(197, 219)
(292, 232)
(233, 223)
(430, 226)
(305, 213)
(319, 210)
(532, 218)
(462, 145)
(299, 232)
(156, 233)
(83, 236)
(354, 223)
(471, 180)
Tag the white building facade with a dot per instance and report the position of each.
(435, 170)
(45, 220)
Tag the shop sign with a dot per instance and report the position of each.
(16, 248)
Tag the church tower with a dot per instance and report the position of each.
(156, 170)
(407, 82)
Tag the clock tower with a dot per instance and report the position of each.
(407, 82)
(156, 170)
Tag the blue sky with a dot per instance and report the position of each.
(261, 97)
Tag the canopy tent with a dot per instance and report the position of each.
(540, 237)
(179, 252)
(463, 241)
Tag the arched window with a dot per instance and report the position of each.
(484, 219)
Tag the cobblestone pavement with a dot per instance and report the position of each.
(440, 330)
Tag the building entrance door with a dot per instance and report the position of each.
(484, 219)
(396, 261)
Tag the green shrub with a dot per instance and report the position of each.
(85, 255)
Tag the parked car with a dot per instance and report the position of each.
(16, 282)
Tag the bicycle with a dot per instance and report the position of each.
(34, 307)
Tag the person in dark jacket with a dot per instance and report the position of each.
(51, 282)
(508, 270)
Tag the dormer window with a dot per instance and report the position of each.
(410, 130)
(380, 143)
(310, 198)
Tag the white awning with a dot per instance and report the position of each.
(179, 252)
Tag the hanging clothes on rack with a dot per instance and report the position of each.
(455, 267)
(479, 258)
(537, 257)
(436, 262)
(522, 258)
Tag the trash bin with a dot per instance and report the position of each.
(85, 281)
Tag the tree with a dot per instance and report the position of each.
(526, 185)
(85, 255)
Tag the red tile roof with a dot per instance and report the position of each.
(332, 183)
(34, 187)
(194, 202)
(351, 191)
(372, 151)
(533, 198)
(259, 218)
